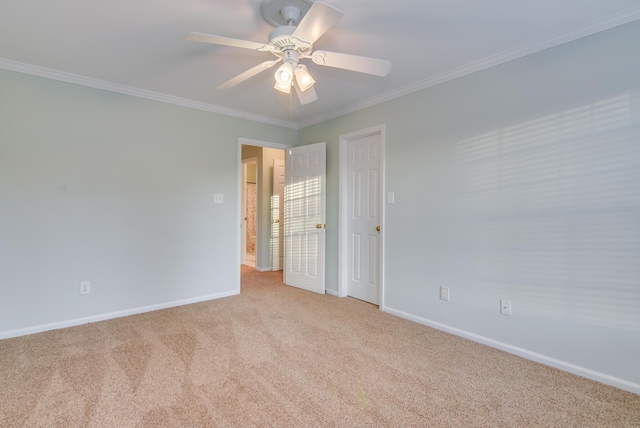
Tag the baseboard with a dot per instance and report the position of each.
(524, 353)
(111, 315)
(264, 269)
(332, 292)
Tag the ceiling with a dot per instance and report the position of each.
(138, 47)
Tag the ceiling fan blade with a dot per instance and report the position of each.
(307, 96)
(247, 74)
(362, 64)
(226, 41)
(315, 23)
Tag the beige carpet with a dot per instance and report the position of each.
(279, 356)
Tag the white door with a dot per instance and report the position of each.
(277, 214)
(304, 217)
(363, 218)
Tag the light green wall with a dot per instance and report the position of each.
(117, 190)
(519, 182)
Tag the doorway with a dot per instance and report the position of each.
(259, 248)
(302, 189)
(361, 233)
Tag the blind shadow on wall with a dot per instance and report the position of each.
(552, 207)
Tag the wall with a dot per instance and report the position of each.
(251, 173)
(519, 182)
(117, 190)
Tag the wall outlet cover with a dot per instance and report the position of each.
(85, 287)
(444, 293)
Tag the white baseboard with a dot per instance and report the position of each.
(524, 353)
(111, 315)
(332, 292)
(264, 269)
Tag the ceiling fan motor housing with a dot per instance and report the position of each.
(290, 56)
(281, 38)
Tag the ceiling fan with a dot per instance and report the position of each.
(291, 41)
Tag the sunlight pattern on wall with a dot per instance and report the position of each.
(552, 211)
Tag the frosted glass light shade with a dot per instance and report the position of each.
(286, 88)
(284, 74)
(303, 78)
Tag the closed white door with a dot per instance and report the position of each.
(363, 218)
(304, 217)
(277, 214)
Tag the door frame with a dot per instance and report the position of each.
(343, 203)
(248, 142)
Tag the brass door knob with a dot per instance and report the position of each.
(377, 228)
(320, 226)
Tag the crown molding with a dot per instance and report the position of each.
(63, 76)
(620, 18)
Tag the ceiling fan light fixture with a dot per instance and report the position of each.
(303, 78)
(284, 75)
(283, 88)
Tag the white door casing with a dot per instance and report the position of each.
(361, 215)
(304, 217)
(277, 214)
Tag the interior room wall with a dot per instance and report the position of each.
(519, 182)
(116, 190)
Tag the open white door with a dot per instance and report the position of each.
(304, 217)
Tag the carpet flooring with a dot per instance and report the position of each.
(276, 356)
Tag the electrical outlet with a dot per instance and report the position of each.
(444, 293)
(505, 307)
(85, 287)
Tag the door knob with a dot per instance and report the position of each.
(276, 220)
(377, 228)
(320, 226)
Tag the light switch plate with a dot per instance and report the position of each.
(218, 198)
(391, 198)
